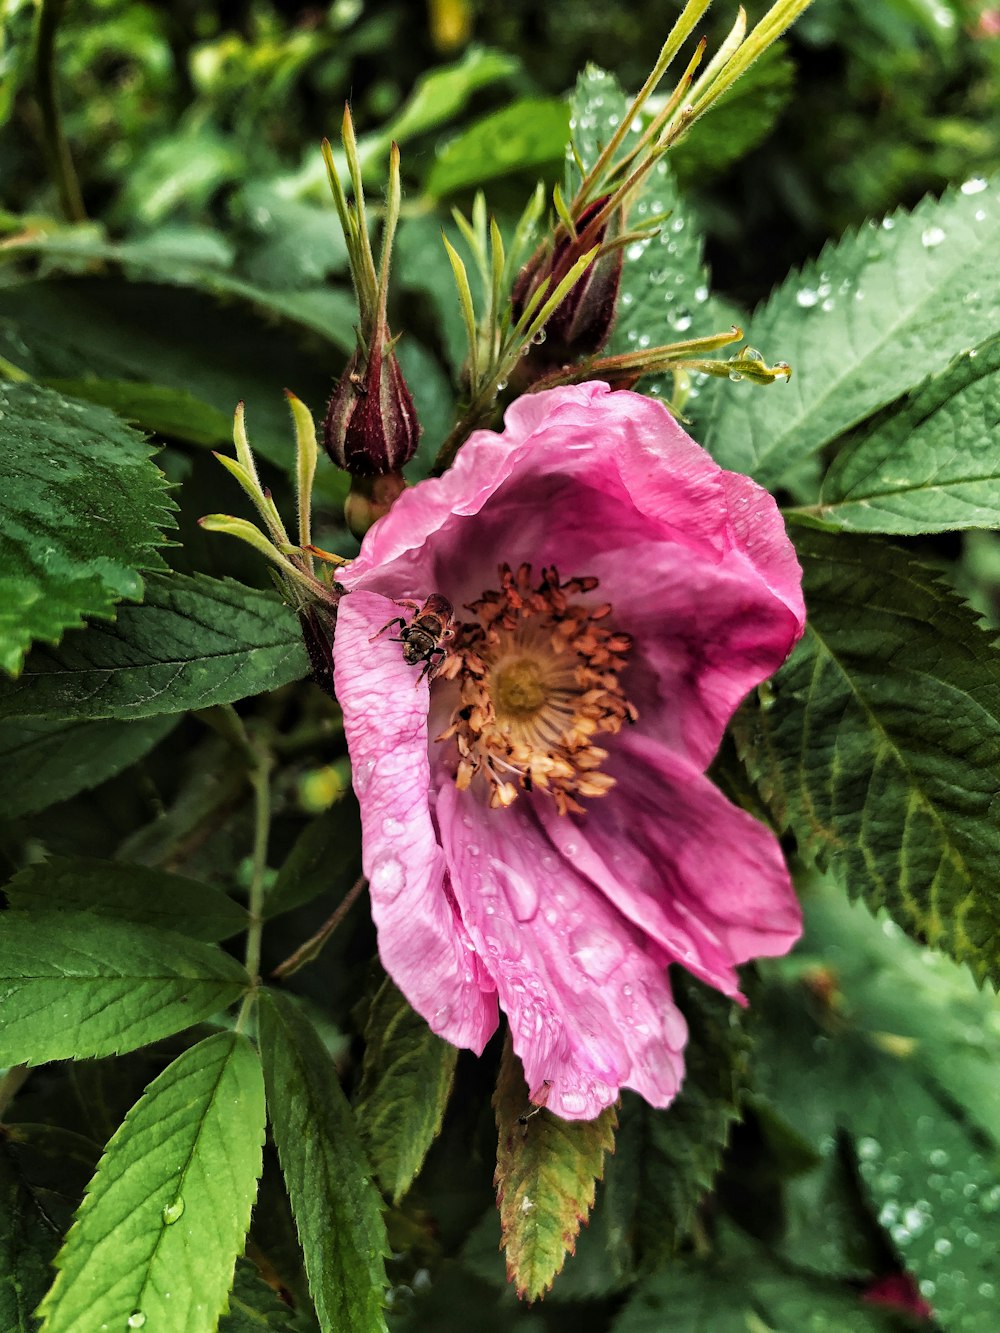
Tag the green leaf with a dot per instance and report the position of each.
(195, 641)
(868, 320)
(164, 1219)
(927, 1143)
(85, 512)
(176, 339)
(528, 136)
(127, 893)
(878, 744)
(682, 1147)
(546, 1172)
(44, 761)
(253, 1306)
(74, 985)
(295, 244)
(153, 407)
(405, 1085)
(201, 259)
(928, 463)
(440, 94)
(336, 1206)
(28, 1244)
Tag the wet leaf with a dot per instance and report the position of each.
(85, 511)
(547, 1169)
(164, 1218)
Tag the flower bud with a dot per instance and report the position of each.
(582, 323)
(371, 425)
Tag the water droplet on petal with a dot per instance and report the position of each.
(572, 1103)
(172, 1212)
(520, 891)
(388, 877)
(598, 952)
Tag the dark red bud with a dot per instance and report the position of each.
(582, 323)
(371, 425)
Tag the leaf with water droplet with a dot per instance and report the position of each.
(922, 1114)
(929, 462)
(914, 272)
(195, 1134)
(545, 1178)
(898, 797)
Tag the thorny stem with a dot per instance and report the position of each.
(306, 952)
(70, 198)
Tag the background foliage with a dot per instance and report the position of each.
(845, 1129)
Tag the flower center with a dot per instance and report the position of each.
(538, 680)
(518, 688)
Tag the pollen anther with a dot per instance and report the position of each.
(538, 681)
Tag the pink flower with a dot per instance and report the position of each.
(538, 829)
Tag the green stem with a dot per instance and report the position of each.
(260, 779)
(61, 162)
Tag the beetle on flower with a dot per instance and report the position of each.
(539, 833)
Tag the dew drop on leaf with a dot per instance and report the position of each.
(136, 1319)
(173, 1212)
(931, 236)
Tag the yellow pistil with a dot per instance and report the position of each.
(538, 681)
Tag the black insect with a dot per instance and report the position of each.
(424, 637)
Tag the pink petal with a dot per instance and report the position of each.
(420, 938)
(759, 532)
(703, 879)
(590, 1007)
(705, 634)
